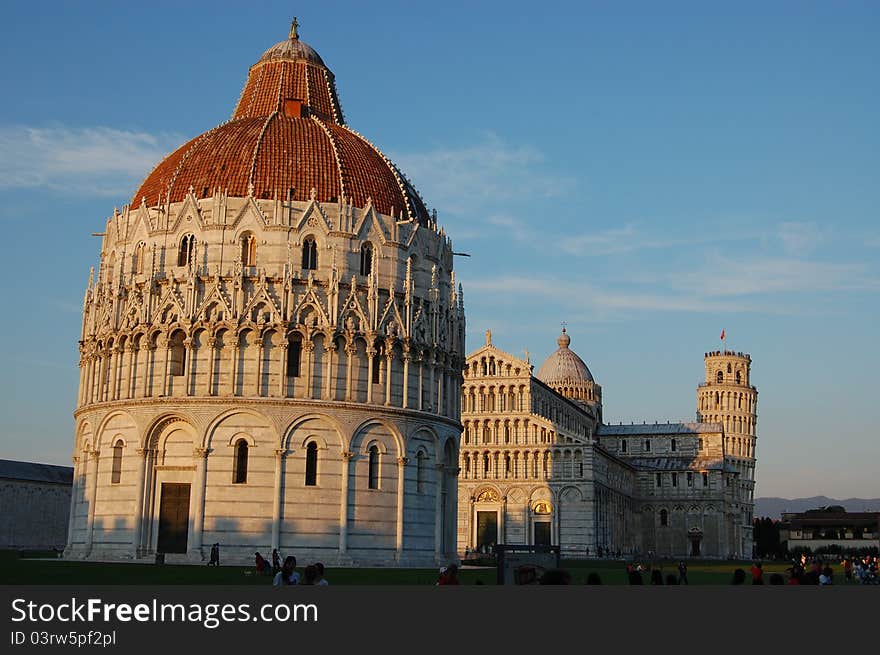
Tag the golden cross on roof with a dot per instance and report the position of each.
(294, 26)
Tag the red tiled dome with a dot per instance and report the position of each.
(287, 133)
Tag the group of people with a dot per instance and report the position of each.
(634, 572)
(285, 573)
(814, 571)
(862, 570)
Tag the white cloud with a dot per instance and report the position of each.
(573, 295)
(800, 239)
(722, 276)
(89, 160)
(484, 174)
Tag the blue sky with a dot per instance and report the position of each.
(648, 172)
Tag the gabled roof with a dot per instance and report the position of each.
(491, 349)
(34, 472)
(658, 428)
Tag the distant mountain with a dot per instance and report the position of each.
(774, 507)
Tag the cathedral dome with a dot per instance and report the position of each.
(564, 367)
(287, 137)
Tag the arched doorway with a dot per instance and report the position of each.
(695, 535)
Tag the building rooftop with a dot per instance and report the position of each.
(34, 472)
(287, 140)
(657, 428)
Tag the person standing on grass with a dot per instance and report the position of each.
(757, 573)
(682, 573)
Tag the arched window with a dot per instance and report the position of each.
(675, 479)
(240, 463)
(248, 244)
(373, 473)
(177, 352)
(647, 445)
(137, 259)
(729, 369)
(673, 445)
(719, 377)
(420, 472)
(294, 355)
(366, 259)
(658, 480)
(187, 250)
(738, 377)
(311, 464)
(623, 445)
(705, 479)
(116, 475)
(664, 517)
(700, 444)
(310, 255)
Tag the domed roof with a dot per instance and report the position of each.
(564, 367)
(292, 48)
(287, 137)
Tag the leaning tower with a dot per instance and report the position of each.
(728, 397)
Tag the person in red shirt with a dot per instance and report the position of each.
(448, 575)
(757, 573)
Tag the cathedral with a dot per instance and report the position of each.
(540, 467)
(272, 348)
(273, 357)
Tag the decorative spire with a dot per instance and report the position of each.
(294, 29)
(564, 340)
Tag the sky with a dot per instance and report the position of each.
(648, 173)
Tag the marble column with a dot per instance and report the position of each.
(389, 358)
(401, 488)
(93, 495)
(132, 370)
(211, 342)
(74, 491)
(260, 347)
(188, 356)
(147, 348)
(438, 509)
(329, 390)
(282, 368)
(371, 362)
(139, 513)
(233, 368)
(343, 502)
(406, 358)
(200, 455)
(276, 498)
(309, 350)
(166, 377)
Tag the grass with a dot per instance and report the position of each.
(32, 568)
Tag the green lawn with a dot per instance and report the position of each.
(31, 568)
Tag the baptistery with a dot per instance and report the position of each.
(272, 347)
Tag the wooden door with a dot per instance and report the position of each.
(173, 518)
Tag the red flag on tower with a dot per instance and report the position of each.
(722, 334)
